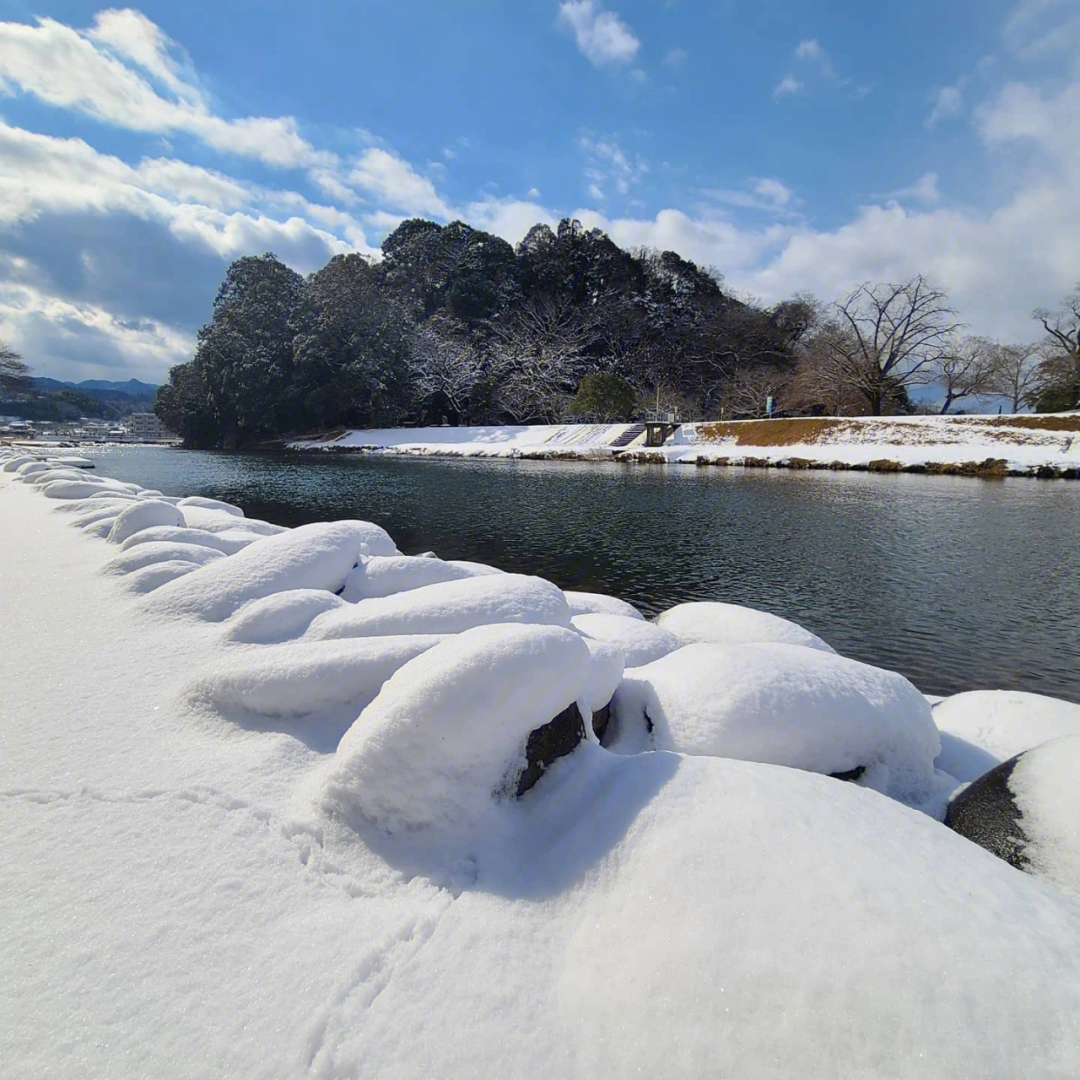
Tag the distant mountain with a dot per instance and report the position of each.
(133, 388)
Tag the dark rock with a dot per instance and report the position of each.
(547, 744)
(986, 814)
(850, 775)
(600, 720)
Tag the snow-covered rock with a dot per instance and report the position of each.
(228, 542)
(981, 728)
(447, 734)
(1027, 812)
(163, 551)
(784, 705)
(588, 603)
(318, 556)
(70, 489)
(210, 504)
(144, 515)
(308, 676)
(151, 578)
(449, 608)
(711, 622)
(641, 642)
(385, 575)
(214, 520)
(282, 616)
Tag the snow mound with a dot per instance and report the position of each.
(306, 677)
(1046, 786)
(591, 603)
(13, 463)
(210, 520)
(447, 733)
(280, 617)
(211, 504)
(151, 578)
(144, 515)
(150, 554)
(984, 727)
(641, 642)
(70, 489)
(33, 465)
(449, 608)
(784, 705)
(87, 511)
(385, 575)
(45, 475)
(318, 556)
(709, 621)
(607, 661)
(228, 542)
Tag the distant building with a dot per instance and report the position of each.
(146, 427)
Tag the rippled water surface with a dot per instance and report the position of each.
(958, 583)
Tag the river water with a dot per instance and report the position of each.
(958, 583)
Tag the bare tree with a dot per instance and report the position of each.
(967, 370)
(822, 383)
(894, 336)
(1059, 371)
(1013, 373)
(744, 395)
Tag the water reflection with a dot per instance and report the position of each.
(957, 583)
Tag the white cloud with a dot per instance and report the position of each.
(948, 103)
(608, 165)
(600, 35)
(675, 57)
(924, 190)
(509, 218)
(787, 85)
(765, 193)
(89, 72)
(811, 52)
(395, 183)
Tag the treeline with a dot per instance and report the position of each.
(455, 325)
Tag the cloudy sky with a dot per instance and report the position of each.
(792, 145)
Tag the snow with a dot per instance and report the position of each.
(143, 515)
(640, 642)
(201, 879)
(213, 520)
(446, 736)
(856, 442)
(449, 608)
(280, 616)
(589, 603)
(230, 541)
(731, 624)
(784, 705)
(149, 578)
(385, 575)
(982, 728)
(162, 551)
(211, 504)
(306, 677)
(607, 663)
(1046, 787)
(317, 556)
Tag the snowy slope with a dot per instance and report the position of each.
(297, 889)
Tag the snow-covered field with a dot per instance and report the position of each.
(283, 803)
(891, 444)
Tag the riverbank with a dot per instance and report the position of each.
(287, 802)
(1044, 446)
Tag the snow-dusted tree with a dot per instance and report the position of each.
(13, 372)
(1014, 373)
(445, 368)
(539, 351)
(894, 336)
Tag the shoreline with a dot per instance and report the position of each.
(984, 447)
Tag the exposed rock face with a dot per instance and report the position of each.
(547, 744)
(986, 814)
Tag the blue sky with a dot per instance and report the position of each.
(792, 146)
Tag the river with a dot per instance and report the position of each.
(960, 584)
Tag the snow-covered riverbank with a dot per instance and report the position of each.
(1047, 446)
(287, 802)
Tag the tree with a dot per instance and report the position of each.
(967, 370)
(1013, 373)
(445, 369)
(1058, 373)
(603, 397)
(14, 374)
(893, 335)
